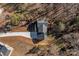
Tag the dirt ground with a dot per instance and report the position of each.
(20, 45)
(19, 29)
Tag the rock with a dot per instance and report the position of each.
(72, 44)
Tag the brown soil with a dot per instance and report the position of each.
(20, 45)
(19, 29)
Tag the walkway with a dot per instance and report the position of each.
(31, 35)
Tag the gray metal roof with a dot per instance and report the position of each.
(42, 21)
(5, 50)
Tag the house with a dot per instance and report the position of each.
(38, 29)
(5, 50)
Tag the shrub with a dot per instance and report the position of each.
(61, 26)
(77, 20)
(15, 19)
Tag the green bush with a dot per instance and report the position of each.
(61, 26)
(77, 20)
(15, 19)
